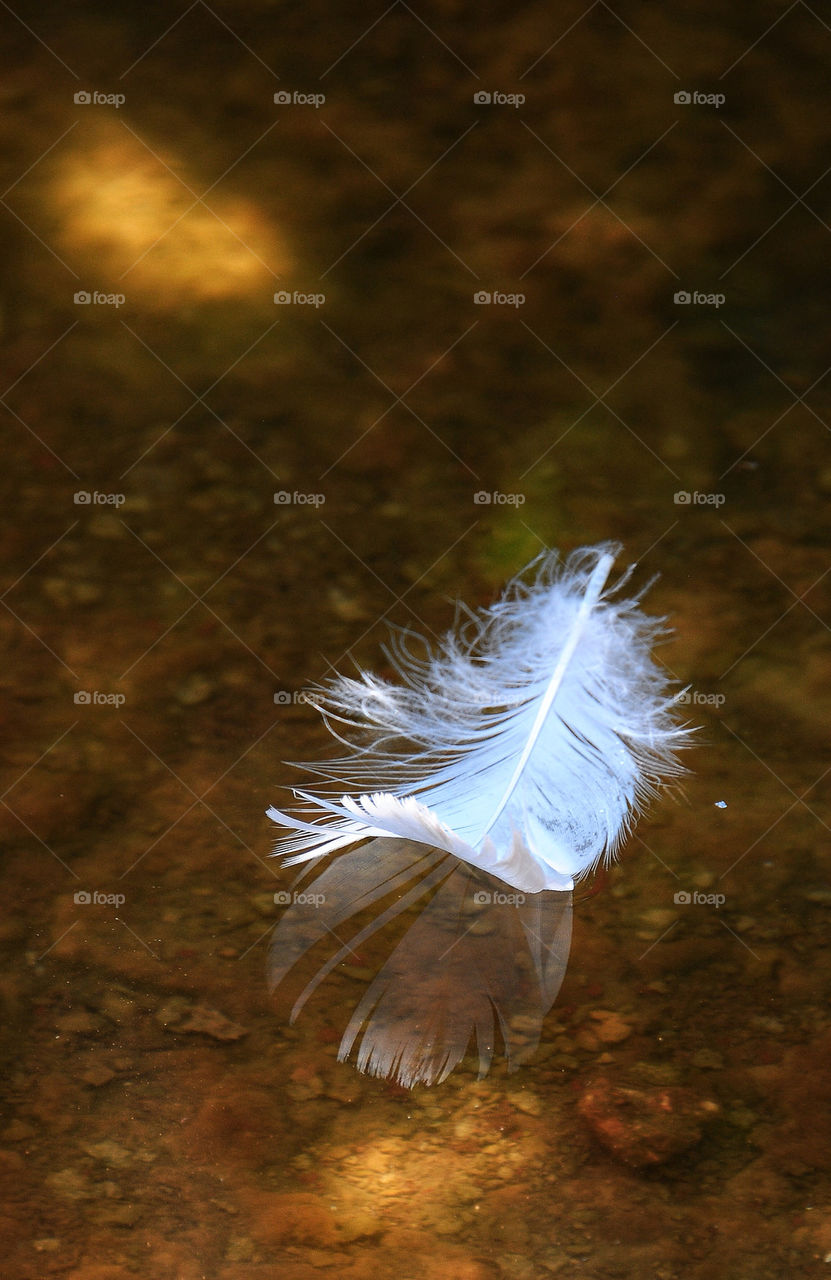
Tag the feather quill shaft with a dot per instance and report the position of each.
(596, 584)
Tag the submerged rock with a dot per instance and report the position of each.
(645, 1126)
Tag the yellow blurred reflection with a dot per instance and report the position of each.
(136, 216)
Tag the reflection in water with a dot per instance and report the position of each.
(479, 956)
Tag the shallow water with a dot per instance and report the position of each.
(161, 1118)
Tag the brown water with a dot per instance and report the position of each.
(160, 1118)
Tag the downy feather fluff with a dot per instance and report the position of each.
(514, 757)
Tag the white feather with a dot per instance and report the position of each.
(515, 756)
(525, 746)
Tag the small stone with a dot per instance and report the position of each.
(118, 1215)
(279, 1218)
(465, 1127)
(97, 1074)
(78, 1022)
(344, 606)
(71, 1184)
(643, 1127)
(528, 1103)
(17, 1131)
(58, 591)
(658, 917)
(361, 973)
(240, 1249)
(821, 896)
(611, 1028)
(194, 689)
(110, 1152)
(200, 1020)
(105, 525)
(47, 1244)
(86, 592)
(118, 1007)
(708, 1059)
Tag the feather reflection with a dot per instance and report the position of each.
(468, 956)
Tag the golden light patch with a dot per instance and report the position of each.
(136, 216)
